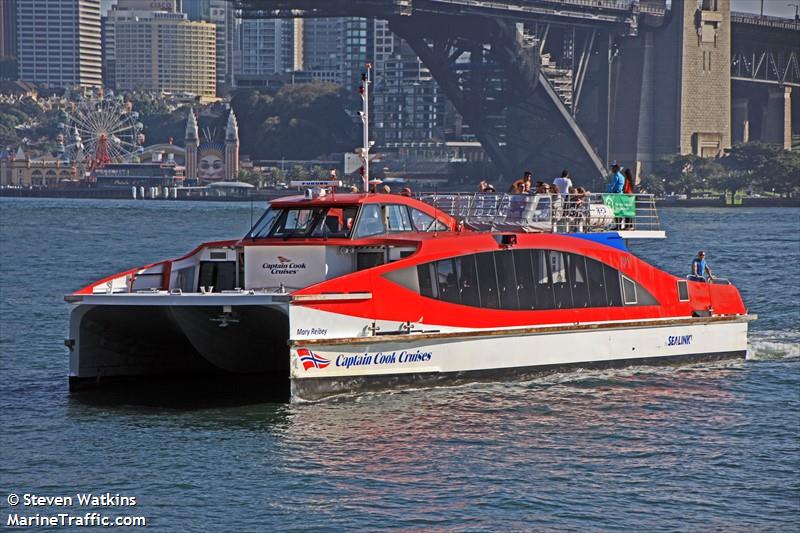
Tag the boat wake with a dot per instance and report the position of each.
(770, 345)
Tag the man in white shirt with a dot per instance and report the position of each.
(563, 183)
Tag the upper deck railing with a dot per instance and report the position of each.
(633, 214)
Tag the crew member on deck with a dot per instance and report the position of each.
(700, 268)
(617, 179)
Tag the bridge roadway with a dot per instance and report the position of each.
(624, 14)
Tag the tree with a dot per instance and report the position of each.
(686, 173)
(765, 166)
(652, 184)
(299, 121)
(274, 176)
(253, 177)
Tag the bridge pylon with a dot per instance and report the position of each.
(489, 69)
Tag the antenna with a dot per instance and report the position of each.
(363, 90)
(435, 212)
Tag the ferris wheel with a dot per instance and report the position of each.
(99, 131)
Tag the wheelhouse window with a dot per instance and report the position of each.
(425, 222)
(397, 218)
(519, 279)
(264, 224)
(370, 222)
(305, 222)
(336, 222)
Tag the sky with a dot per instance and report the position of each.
(776, 8)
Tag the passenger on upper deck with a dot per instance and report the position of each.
(563, 183)
(630, 183)
(524, 182)
(485, 186)
(700, 268)
(617, 179)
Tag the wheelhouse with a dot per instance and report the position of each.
(347, 217)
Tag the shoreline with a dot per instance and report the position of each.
(270, 195)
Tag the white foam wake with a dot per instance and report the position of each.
(775, 344)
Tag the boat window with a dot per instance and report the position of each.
(487, 280)
(561, 285)
(683, 291)
(628, 291)
(425, 222)
(597, 283)
(264, 224)
(409, 278)
(524, 274)
(221, 275)
(448, 281)
(544, 287)
(370, 222)
(427, 277)
(643, 296)
(506, 279)
(296, 222)
(366, 260)
(578, 280)
(305, 222)
(468, 280)
(397, 218)
(527, 280)
(613, 289)
(337, 222)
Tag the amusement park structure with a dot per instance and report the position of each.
(99, 131)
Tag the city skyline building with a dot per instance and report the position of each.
(269, 47)
(59, 43)
(408, 105)
(164, 51)
(222, 14)
(8, 41)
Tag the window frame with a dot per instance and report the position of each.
(623, 279)
(685, 284)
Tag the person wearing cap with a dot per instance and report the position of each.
(617, 180)
(700, 268)
(406, 191)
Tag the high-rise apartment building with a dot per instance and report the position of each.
(8, 39)
(164, 51)
(59, 43)
(221, 13)
(336, 49)
(407, 103)
(270, 46)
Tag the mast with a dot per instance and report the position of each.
(363, 89)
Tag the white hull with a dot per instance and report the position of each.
(418, 359)
(143, 335)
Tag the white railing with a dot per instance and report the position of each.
(552, 213)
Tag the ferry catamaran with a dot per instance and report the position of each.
(333, 293)
(347, 292)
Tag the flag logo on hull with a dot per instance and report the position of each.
(311, 360)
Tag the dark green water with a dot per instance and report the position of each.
(701, 447)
